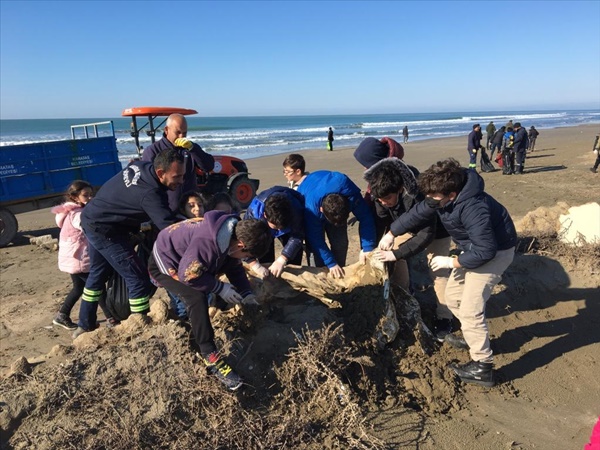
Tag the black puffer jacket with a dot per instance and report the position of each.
(477, 223)
(385, 216)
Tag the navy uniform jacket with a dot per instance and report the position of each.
(128, 199)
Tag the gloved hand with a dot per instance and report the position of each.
(229, 294)
(260, 270)
(183, 142)
(276, 268)
(474, 150)
(387, 241)
(250, 299)
(362, 257)
(337, 271)
(384, 256)
(441, 262)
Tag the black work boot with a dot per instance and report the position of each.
(456, 341)
(442, 328)
(480, 373)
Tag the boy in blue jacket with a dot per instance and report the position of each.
(187, 259)
(484, 231)
(329, 198)
(282, 209)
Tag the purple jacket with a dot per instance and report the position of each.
(195, 252)
(198, 158)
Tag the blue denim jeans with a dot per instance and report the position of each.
(178, 306)
(108, 253)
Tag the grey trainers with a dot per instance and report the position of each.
(223, 371)
(62, 320)
(78, 332)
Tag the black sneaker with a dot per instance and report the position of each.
(223, 371)
(442, 328)
(62, 320)
(456, 341)
(475, 372)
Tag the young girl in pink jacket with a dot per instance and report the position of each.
(73, 256)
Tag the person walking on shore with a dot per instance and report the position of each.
(489, 131)
(483, 230)
(520, 148)
(596, 150)
(473, 145)
(405, 133)
(532, 135)
(330, 139)
(174, 136)
(497, 142)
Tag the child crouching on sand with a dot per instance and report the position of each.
(73, 256)
(188, 258)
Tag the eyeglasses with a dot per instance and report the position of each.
(288, 172)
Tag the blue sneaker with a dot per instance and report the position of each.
(223, 371)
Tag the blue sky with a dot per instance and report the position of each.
(93, 59)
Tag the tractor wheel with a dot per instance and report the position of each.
(242, 190)
(8, 227)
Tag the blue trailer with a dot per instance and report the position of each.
(35, 176)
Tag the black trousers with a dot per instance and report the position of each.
(196, 304)
(79, 280)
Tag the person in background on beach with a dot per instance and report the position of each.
(508, 152)
(394, 187)
(497, 142)
(485, 234)
(509, 124)
(174, 136)
(136, 195)
(191, 205)
(405, 133)
(330, 139)
(188, 258)
(329, 198)
(282, 209)
(489, 131)
(521, 144)
(294, 170)
(73, 252)
(532, 135)
(596, 151)
(473, 145)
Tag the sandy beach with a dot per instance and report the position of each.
(544, 321)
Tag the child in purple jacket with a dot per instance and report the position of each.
(188, 258)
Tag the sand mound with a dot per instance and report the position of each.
(543, 221)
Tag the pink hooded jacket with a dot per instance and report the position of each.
(73, 256)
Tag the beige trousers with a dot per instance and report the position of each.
(467, 292)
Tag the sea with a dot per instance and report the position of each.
(253, 137)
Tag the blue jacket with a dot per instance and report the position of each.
(195, 157)
(295, 231)
(477, 223)
(195, 252)
(128, 199)
(315, 188)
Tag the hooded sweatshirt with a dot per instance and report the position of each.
(195, 252)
